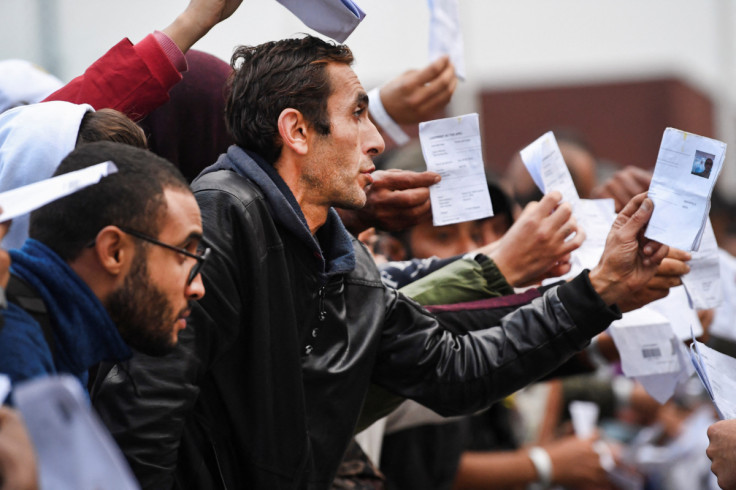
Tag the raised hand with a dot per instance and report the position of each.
(629, 260)
(623, 185)
(669, 275)
(197, 19)
(539, 243)
(417, 95)
(722, 452)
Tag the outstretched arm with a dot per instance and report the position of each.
(136, 79)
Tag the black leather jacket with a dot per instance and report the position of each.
(266, 385)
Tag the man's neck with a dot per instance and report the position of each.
(314, 212)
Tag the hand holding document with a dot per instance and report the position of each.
(445, 36)
(686, 171)
(17, 202)
(333, 18)
(74, 450)
(717, 372)
(451, 147)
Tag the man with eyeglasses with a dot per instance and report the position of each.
(113, 266)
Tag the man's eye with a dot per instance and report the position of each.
(359, 112)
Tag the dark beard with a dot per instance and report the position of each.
(141, 312)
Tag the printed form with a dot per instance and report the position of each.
(451, 147)
(545, 164)
(686, 171)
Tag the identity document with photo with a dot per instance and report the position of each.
(686, 171)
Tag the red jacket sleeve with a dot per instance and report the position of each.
(133, 79)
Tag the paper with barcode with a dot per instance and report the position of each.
(452, 148)
(646, 343)
(23, 200)
(682, 183)
(545, 164)
(703, 282)
(717, 372)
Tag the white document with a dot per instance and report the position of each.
(584, 417)
(74, 450)
(686, 171)
(703, 282)
(723, 322)
(451, 147)
(4, 387)
(661, 387)
(717, 372)
(678, 311)
(595, 216)
(646, 343)
(544, 162)
(333, 18)
(23, 200)
(445, 35)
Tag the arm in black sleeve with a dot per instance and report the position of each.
(424, 358)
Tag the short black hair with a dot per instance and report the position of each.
(274, 76)
(132, 197)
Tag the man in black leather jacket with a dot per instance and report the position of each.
(273, 369)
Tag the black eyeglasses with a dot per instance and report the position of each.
(201, 257)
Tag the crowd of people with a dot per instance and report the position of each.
(257, 297)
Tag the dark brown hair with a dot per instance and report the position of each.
(274, 76)
(110, 125)
(132, 197)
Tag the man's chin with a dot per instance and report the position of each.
(158, 347)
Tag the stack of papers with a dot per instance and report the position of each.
(452, 148)
(686, 171)
(717, 372)
(333, 18)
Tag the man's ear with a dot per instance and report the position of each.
(293, 129)
(114, 250)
